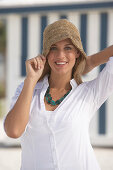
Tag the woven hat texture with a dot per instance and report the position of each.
(60, 30)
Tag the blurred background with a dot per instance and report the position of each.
(21, 32)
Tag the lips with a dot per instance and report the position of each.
(60, 62)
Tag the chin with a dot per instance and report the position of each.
(63, 72)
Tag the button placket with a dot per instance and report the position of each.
(53, 147)
(54, 152)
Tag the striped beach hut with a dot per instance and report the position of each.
(25, 23)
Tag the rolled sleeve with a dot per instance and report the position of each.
(14, 99)
(16, 95)
(102, 86)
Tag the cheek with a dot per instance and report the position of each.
(50, 57)
(50, 60)
(73, 60)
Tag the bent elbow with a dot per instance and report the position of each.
(12, 134)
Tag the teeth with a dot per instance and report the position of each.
(61, 63)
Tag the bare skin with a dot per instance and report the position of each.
(59, 81)
(65, 53)
(18, 117)
(98, 59)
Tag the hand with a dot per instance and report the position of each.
(35, 67)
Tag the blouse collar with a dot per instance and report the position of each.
(44, 82)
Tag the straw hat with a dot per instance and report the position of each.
(60, 30)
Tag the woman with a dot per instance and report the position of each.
(52, 108)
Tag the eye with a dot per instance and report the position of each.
(68, 48)
(53, 48)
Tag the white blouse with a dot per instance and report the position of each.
(59, 139)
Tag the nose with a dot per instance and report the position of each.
(60, 54)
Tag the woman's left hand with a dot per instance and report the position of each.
(97, 59)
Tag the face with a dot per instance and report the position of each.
(62, 57)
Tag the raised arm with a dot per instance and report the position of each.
(17, 118)
(97, 59)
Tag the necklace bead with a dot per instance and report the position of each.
(51, 101)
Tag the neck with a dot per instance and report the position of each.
(60, 81)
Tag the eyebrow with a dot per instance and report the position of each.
(65, 44)
(68, 44)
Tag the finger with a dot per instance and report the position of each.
(35, 62)
(38, 59)
(43, 58)
(32, 61)
(41, 62)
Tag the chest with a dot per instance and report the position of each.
(75, 105)
(49, 107)
(71, 114)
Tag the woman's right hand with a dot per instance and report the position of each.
(35, 67)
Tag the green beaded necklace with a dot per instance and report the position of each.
(52, 102)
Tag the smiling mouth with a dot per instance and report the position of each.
(61, 63)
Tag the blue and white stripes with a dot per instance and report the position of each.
(24, 41)
(95, 23)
